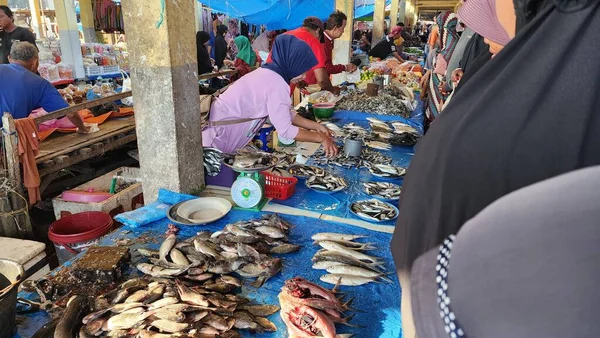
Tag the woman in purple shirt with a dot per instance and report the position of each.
(238, 113)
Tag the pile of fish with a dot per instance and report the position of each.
(374, 210)
(384, 170)
(306, 171)
(345, 260)
(243, 247)
(354, 131)
(384, 103)
(165, 308)
(378, 145)
(385, 190)
(328, 183)
(285, 161)
(309, 310)
(254, 161)
(368, 158)
(397, 133)
(212, 161)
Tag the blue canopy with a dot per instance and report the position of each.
(282, 14)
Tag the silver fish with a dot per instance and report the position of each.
(324, 255)
(187, 295)
(333, 246)
(169, 326)
(270, 231)
(179, 258)
(126, 320)
(331, 236)
(166, 247)
(158, 271)
(163, 302)
(206, 249)
(348, 280)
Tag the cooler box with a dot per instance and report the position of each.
(30, 254)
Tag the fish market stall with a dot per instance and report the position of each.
(294, 274)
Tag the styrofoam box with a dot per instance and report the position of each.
(125, 200)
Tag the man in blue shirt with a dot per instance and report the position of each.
(23, 91)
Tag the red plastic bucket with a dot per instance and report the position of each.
(75, 233)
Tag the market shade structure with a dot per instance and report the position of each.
(283, 14)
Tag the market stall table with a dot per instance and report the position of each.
(379, 303)
(338, 204)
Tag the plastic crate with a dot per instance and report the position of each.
(279, 187)
(126, 200)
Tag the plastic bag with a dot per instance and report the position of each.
(128, 101)
(154, 211)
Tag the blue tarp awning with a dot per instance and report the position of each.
(282, 14)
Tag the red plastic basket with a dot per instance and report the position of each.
(279, 188)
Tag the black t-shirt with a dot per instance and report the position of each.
(7, 39)
(383, 48)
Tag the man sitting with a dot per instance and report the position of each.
(23, 91)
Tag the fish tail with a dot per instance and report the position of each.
(385, 279)
(347, 304)
(259, 282)
(337, 285)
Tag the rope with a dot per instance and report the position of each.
(162, 14)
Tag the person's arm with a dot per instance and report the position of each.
(398, 57)
(324, 82)
(329, 66)
(51, 100)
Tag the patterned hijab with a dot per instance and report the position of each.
(449, 35)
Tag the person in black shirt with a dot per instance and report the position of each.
(386, 46)
(9, 33)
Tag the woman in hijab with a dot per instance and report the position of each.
(523, 126)
(246, 58)
(204, 61)
(238, 113)
(525, 266)
(449, 37)
(220, 46)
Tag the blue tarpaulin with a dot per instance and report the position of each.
(282, 14)
(379, 303)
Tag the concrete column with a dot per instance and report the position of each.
(70, 46)
(87, 21)
(402, 11)
(342, 47)
(3, 2)
(162, 59)
(198, 11)
(394, 13)
(378, 20)
(36, 21)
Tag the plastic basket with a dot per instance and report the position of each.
(279, 188)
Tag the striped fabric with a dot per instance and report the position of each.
(480, 16)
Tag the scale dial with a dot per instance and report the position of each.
(246, 192)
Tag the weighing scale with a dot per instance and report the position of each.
(248, 190)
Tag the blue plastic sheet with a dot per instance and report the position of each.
(338, 204)
(379, 303)
(154, 211)
(282, 14)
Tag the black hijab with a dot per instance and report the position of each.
(204, 63)
(220, 46)
(526, 266)
(530, 114)
(477, 54)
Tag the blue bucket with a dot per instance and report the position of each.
(264, 139)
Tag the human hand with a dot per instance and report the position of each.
(301, 84)
(457, 74)
(329, 146)
(350, 67)
(336, 90)
(324, 130)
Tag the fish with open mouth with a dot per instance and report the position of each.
(374, 210)
(383, 170)
(385, 190)
(329, 183)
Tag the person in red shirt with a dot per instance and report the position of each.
(333, 30)
(311, 32)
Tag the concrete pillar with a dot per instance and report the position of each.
(3, 2)
(162, 59)
(70, 46)
(36, 21)
(402, 11)
(378, 20)
(342, 47)
(394, 13)
(198, 11)
(87, 21)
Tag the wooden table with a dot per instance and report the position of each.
(217, 74)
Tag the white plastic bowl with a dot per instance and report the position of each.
(204, 210)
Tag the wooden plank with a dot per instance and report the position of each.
(85, 105)
(94, 153)
(64, 144)
(217, 74)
